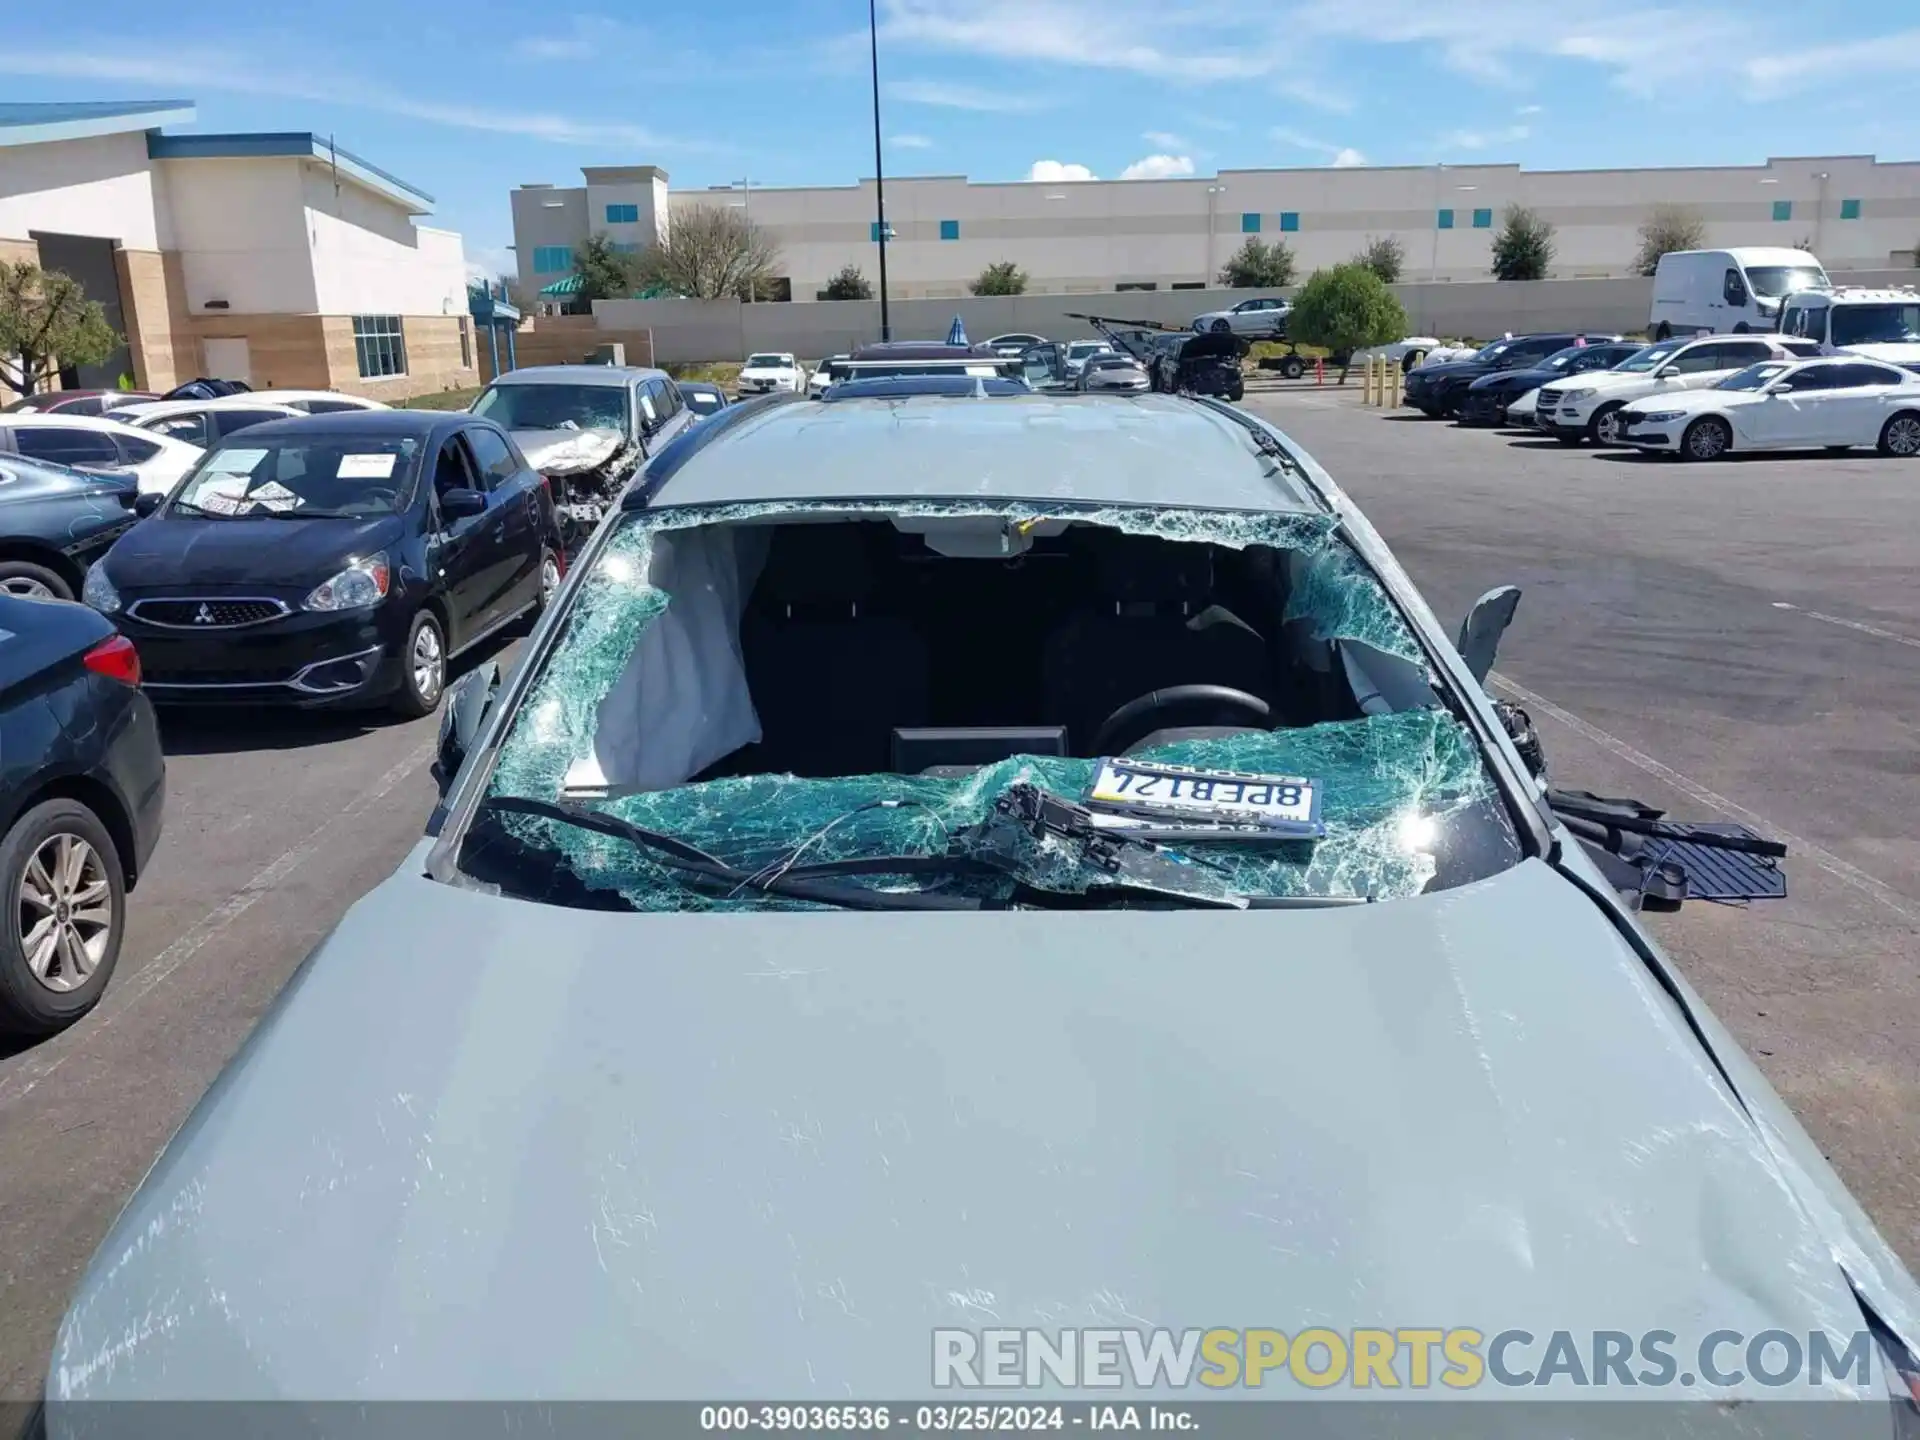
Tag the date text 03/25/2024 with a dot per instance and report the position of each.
(942, 1419)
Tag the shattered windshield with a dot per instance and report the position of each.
(746, 699)
(554, 407)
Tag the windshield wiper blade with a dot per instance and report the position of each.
(792, 884)
(1133, 863)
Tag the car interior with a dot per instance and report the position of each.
(867, 649)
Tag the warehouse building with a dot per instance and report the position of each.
(278, 259)
(1091, 236)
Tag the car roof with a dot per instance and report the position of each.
(45, 417)
(580, 375)
(370, 424)
(1138, 450)
(225, 404)
(921, 350)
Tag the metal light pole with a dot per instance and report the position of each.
(746, 213)
(879, 173)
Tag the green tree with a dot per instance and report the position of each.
(849, 284)
(1346, 309)
(46, 321)
(711, 252)
(1385, 257)
(605, 273)
(1668, 228)
(1001, 278)
(1258, 266)
(1524, 247)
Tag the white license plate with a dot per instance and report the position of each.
(1286, 806)
(586, 514)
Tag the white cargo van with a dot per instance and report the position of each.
(1882, 323)
(1723, 292)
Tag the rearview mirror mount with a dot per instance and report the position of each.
(1486, 622)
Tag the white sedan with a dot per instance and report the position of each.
(768, 373)
(822, 377)
(202, 422)
(89, 442)
(314, 402)
(1832, 403)
(1523, 412)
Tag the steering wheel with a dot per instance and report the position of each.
(1176, 697)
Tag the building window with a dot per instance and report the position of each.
(624, 247)
(1289, 219)
(1783, 209)
(466, 345)
(381, 348)
(1445, 220)
(623, 214)
(1483, 219)
(949, 229)
(1137, 285)
(1250, 222)
(1189, 285)
(552, 259)
(1849, 209)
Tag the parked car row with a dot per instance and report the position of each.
(1699, 398)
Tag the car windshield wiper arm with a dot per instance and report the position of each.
(795, 883)
(1594, 811)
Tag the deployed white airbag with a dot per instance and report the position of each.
(681, 701)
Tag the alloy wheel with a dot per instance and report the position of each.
(1606, 428)
(1707, 440)
(549, 578)
(28, 586)
(429, 662)
(64, 910)
(1903, 435)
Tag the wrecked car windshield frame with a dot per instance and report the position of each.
(584, 404)
(1428, 748)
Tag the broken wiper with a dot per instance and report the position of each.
(1665, 861)
(792, 882)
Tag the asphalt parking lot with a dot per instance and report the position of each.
(1732, 640)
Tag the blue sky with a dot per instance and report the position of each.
(468, 100)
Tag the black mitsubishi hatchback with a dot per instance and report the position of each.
(332, 560)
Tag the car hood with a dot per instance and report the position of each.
(488, 1148)
(1689, 401)
(1612, 382)
(166, 552)
(568, 452)
(1897, 352)
(1530, 379)
(1452, 370)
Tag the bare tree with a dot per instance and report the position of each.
(710, 252)
(1668, 228)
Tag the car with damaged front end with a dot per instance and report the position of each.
(586, 429)
(977, 860)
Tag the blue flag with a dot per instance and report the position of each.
(958, 334)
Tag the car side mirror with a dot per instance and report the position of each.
(461, 503)
(1486, 622)
(1526, 740)
(145, 504)
(469, 702)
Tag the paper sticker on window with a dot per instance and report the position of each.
(235, 461)
(646, 404)
(365, 467)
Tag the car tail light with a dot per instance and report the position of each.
(116, 659)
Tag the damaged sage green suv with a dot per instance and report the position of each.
(973, 860)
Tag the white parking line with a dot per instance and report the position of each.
(123, 997)
(1860, 625)
(1694, 790)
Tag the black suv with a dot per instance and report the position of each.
(1438, 390)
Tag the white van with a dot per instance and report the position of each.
(1727, 292)
(1882, 323)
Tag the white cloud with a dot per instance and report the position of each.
(910, 142)
(960, 97)
(1158, 167)
(1166, 140)
(1790, 71)
(238, 73)
(1318, 96)
(1341, 157)
(1482, 139)
(489, 262)
(1528, 110)
(1053, 172)
(1142, 37)
(554, 48)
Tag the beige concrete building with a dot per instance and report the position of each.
(1091, 236)
(277, 259)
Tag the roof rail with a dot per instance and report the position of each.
(662, 467)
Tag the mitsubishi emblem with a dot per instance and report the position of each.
(203, 616)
